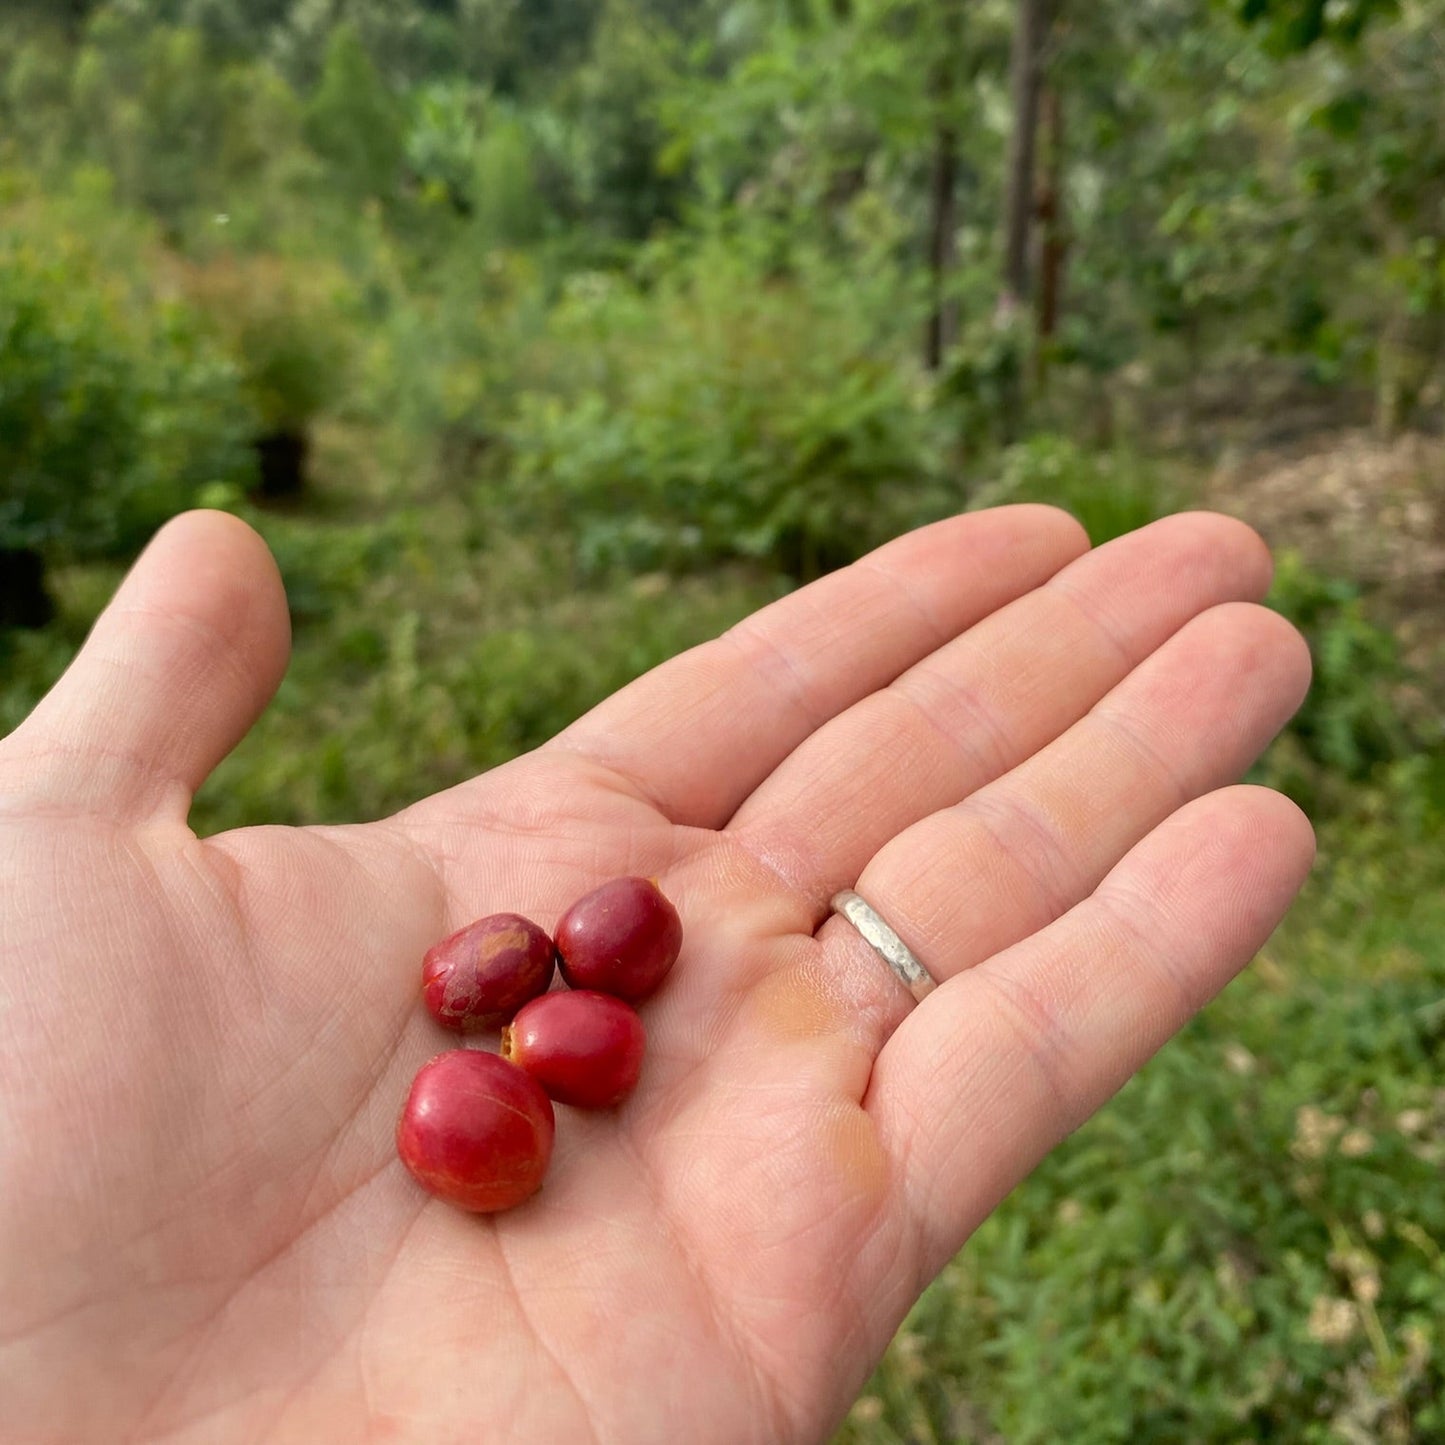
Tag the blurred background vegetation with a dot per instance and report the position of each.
(543, 339)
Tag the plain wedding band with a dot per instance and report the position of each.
(885, 943)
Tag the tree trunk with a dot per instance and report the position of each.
(942, 328)
(1024, 79)
(943, 317)
(1053, 247)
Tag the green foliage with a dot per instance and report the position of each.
(721, 415)
(65, 408)
(442, 140)
(983, 382)
(614, 102)
(484, 162)
(261, 130)
(1362, 716)
(148, 103)
(1294, 25)
(507, 181)
(281, 323)
(111, 415)
(507, 44)
(1349, 723)
(446, 367)
(1110, 493)
(354, 121)
(35, 94)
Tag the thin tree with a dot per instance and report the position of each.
(1053, 229)
(942, 214)
(1025, 68)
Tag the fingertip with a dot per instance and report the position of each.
(225, 543)
(1283, 822)
(1244, 843)
(1066, 529)
(1222, 533)
(213, 568)
(1253, 638)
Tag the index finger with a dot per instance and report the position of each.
(697, 735)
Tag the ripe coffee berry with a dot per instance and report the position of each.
(621, 939)
(483, 973)
(476, 1131)
(584, 1048)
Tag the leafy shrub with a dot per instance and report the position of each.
(267, 179)
(114, 410)
(1361, 717)
(982, 382)
(444, 366)
(354, 120)
(34, 93)
(614, 101)
(721, 414)
(442, 135)
(508, 167)
(1111, 493)
(147, 102)
(282, 324)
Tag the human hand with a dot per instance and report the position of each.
(1018, 750)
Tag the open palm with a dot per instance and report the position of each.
(1017, 749)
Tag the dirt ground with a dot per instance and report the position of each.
(1358, 507)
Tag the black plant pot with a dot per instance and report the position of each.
(282, 456)
(24, 602)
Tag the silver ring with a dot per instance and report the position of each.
(887, 944)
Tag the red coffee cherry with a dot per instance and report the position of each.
(620, 939)
(584, 1048)
(476, 1131)
(481, 975)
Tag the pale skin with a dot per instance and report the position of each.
(1022, 752)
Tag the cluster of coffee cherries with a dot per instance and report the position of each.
(478, 1127)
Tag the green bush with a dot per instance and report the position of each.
(719, 415)
(354, 121)
(282, 324)
(506, 181)
(113, 409)
(1111, 493)
(147, 103)
(1363, 719)
(444, 365)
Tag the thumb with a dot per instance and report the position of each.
(174, 673)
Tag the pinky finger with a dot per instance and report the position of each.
(1005, 1059)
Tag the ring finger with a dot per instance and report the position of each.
(1022, 851)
